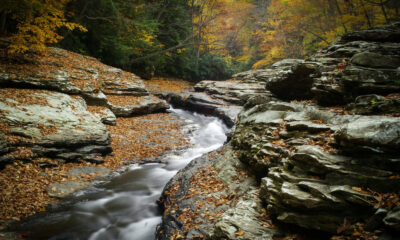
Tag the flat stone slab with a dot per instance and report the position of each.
(52, 124)
(61, 190)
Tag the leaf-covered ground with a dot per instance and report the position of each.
(158, 85)
(24, 186)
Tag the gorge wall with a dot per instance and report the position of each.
(314, 152)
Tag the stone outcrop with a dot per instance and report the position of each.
(332, 170)
(55, 106)
(314, 163)
(214, 198)
(223, 99)
(71, 73)
(49, 124)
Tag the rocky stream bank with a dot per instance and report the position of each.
(66, 120)
(314, 153)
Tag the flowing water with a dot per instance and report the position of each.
(125, 206)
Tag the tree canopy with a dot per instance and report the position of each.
(191, 39)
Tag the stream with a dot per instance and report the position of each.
(125, 207)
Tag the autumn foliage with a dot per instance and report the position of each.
(194, 39)
(297, 28)
(38, 22)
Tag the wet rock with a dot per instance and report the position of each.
(392, 219)
(203, 103)
(147, 104)
(295, 83)
(62, 190)
(97, 172)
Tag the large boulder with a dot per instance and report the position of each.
(203, 103)
(39, 123)
(295, 83)
(126, 106)
(232, 91)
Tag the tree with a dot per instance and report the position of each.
(37, 23)
(296, 28)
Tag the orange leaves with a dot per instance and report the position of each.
(137, 138)
(279, 142)
(386, 200)
(157, 85)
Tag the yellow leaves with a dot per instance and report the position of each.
(360, 190)
(39, 28)
(239, 233)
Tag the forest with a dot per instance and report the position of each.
(191, 39)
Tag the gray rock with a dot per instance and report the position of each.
(147, 104)
(98, 172)
(374, 104)
(328, 95)
(375, 133)
(389, 33)
(237, 92)
(375, 60)
(307, 126)
(392, 219)
(106, 116)
(242, 218)
(295, 83)
(59, 128)
(57, 80)
(62, 190)
(287, 63)
(133, 86)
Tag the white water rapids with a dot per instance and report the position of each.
(125, 207)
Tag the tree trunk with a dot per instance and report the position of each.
(384, 11)
(366, 15)
(3, 21)
(341, 16)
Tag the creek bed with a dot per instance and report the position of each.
(125, 207)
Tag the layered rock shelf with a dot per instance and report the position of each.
(55, 106)
(316, 140)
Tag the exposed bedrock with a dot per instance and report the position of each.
(327, 161)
